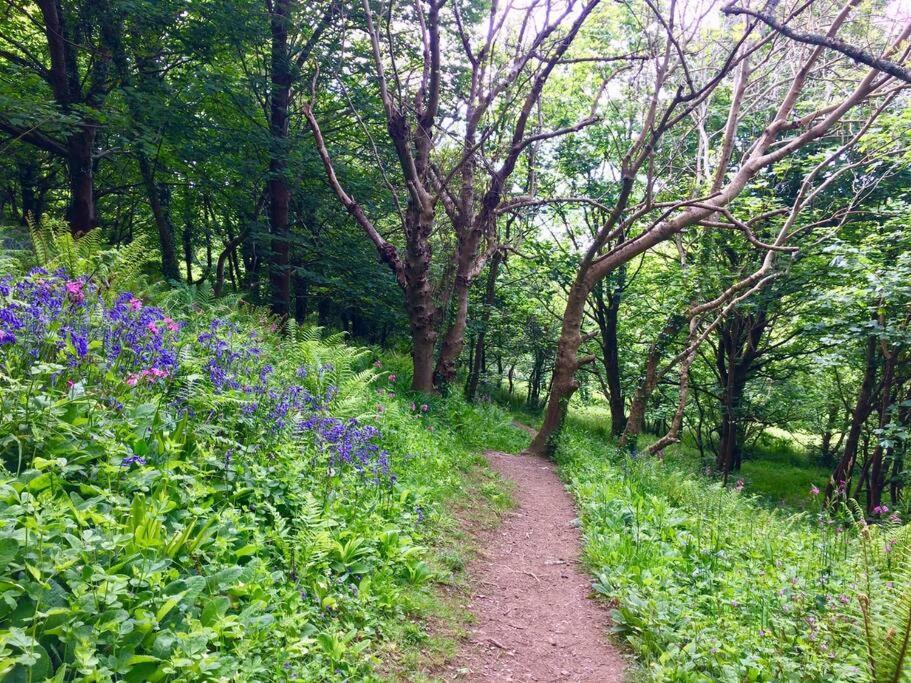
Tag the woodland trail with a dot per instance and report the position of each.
(534, 617)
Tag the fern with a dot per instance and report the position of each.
(332, 364)
(89, 255)
(885, 599)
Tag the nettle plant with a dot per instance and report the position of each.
(181, 500)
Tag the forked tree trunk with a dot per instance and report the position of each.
(842, 474)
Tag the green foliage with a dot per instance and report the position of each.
(884, 565)
(144, 539)
(709, 584)
(53, 247)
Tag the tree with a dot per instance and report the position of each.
(652, 220)
(411, 99)
(67, 47)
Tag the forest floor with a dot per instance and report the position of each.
(534, 617)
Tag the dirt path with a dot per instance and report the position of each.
(535, 620)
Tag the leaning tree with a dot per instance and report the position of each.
(804, 93)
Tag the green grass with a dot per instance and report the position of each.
(712, 584)
(784, 484)
(776, 468)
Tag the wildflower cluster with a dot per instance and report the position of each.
(235, 366)
(210, 461)
(51, 317)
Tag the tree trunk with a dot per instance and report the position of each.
(454, 337)
(733, 367)
(636, 420)
(279, 192)
(842, 474)
(673, 433)
(81, 213)
(223, 258)
(877, 468)
(607, 314)
(474, 376)
(188, 247)
(729, 449)
(158, 202)
(419, 299)
(563, 383)
(826, 450)
(301, 297)
(28, 179)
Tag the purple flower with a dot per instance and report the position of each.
(132, 460)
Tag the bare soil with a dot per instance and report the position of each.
(535, 618)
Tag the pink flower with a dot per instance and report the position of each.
(814, 491)
(880, 509)
(413, 407)
(171, 325)
(153, 328)
(739, 485)
(135, 304)
(74, 291)
(424, 407)
(380, 409)
(150, 375)
(392, 378)
(377, 365)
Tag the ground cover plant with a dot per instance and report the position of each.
(710, 583)
(188, 496)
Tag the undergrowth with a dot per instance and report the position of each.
(188, 494)
(709, 583)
